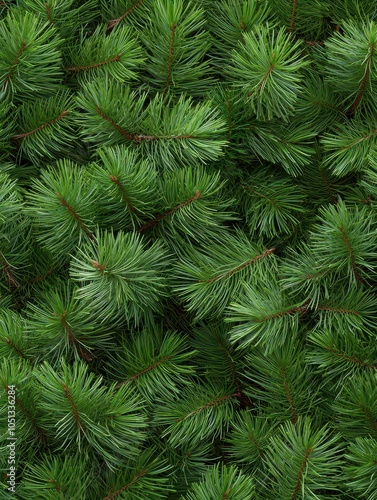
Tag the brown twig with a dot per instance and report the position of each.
(355, 269)
(13, 346)
(113, 494)
(159, 217)
(76, 216)
(211, 403)
(41, 127)
(293, 16)
(94, 65)
(242, 266)
(114, 22)
(73, 406)
(48, 12)
(363, 84)
(146, 370)
(301, 473)
(16, 61)
(83, 353)
(117, 182)
(173, 28)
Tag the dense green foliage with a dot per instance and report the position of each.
(188, 249)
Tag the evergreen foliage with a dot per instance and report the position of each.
(188, 249)
(117, 54)
(268, 68)
(177, 43)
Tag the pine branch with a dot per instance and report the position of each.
(126, 134)
(9, 275)
(80, 426)
(352, 256)
(248, 440)
(268, 69)
(245, 264)
(347, 256)
(211, 278)
(223, 482)
(347, 149)
(47, 128)
(30, 60)
(41, 127)
(52, 475)
(15, 343)
(229, 20)
(177, 44)
(272, 204)
(363, 83)
(308, 20)
(32, 420)
(147, 476)
(159, 217)
(83, 353)
(314, 451)
(65, 16)
(138, 476)
(114, 22)
(18, 373)
(75, 69)
(353, 70)
(125, 197)
(155, 362)
(59, 326)
(282, 380)
(319, 104)
(11, 200)
(216, 356)
(117, 54)
(15, 254)
(339, 356)
(194, 206)
(76, 216)
(188, 248)
(85, 411)
(351, 247)
(201, 413)
(264, 314)
(69, 199)
(355, 407)
(6, 127)
(165, 131)
(15, 64)
(127, 186)
(360, 468)
(290, 146)
(131, 274)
